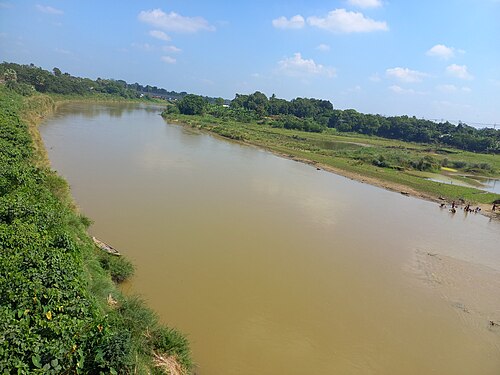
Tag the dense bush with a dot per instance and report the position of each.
(192, 105)
(50, 321)
(47, 318)
(119, 268)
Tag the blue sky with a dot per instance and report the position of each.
(432, 59)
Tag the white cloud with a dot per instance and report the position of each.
(399, 90)
(450, 89)
(143, 46)
(171, 49)
(375, 78)
(441, 51)
(459, 71)
(365, 3)
(168, 59)
(296, 66)
(405, 74)
(159, 35)
(447, 88)
(343, 21)
(174, 22)
(295, 22)
(323, 47)
(48, 9)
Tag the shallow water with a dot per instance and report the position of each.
(273, 267)
(491, 185)
(486, 184)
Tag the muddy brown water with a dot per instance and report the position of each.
(272, 267)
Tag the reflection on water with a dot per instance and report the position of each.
(486, 184)
(451, 181)
(116, 111)
(493, 186)
(272, 267)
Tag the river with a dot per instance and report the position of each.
(272, 267)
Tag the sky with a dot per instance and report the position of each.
(430, 59)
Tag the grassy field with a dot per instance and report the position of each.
(393, 164)
(61, 310)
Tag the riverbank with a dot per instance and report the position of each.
(61, 310)
(353, 156)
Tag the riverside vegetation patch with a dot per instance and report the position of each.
(60, 312)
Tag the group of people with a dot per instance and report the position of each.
(467, 208)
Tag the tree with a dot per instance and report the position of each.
(57, 72)
(192, 105)
(257, 102)
(277, 106)
(10, 75)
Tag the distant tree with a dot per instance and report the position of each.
(10, 75)
(239, 101)
(57, 72)
(192, 105)
(257, 102)
(277, 106)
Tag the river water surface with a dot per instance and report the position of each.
(272, 267)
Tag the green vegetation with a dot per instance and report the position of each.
(28, 79)
(60, 310)
(392, 163)
(314, 115)
(119, 268)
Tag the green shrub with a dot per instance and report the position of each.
(459, 164)
(170, 341)
(50, 319)
(119, 268)
(21, 88)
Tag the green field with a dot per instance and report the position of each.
(394, 164)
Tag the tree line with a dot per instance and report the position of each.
(27, 79)
(306, 114)
(316, 115)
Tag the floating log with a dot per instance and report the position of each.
(105, 247)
